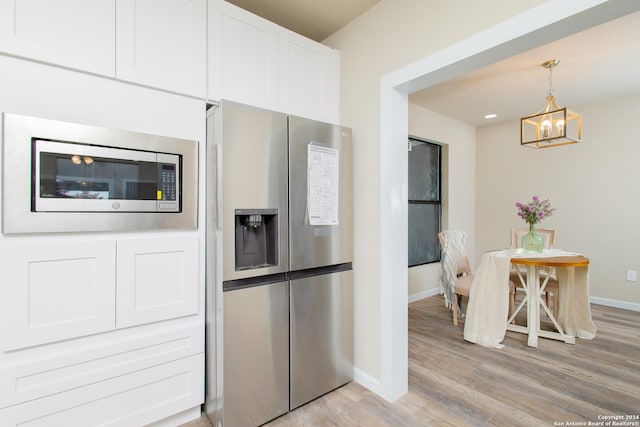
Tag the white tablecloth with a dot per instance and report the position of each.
(488, 306)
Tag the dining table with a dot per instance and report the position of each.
(487, 318)
(534, 286)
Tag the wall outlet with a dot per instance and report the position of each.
(631, 276)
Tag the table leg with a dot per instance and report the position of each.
(533, 306)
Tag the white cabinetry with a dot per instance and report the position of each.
(100, 331)
(73, 33)
(126, 381)
(157, 279)
(256, 62)
(243, 56)
(162, 43)
(62, 289)
(55, 290)
(308, 83)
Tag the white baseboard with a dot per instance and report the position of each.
(179, 418)
(615, 303)
(625, 305)
(367, 381)
(423, 294)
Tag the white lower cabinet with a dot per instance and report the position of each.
(100, 332)
(157, 279)
(55, 290)
(129, 382)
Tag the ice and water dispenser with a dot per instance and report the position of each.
(256, 235)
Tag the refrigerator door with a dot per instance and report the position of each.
(256, 355)
(321, 335)
(254, 185)
(320, 225)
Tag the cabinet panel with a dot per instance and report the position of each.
(57, 371)
(138, 398)
(74, 33)
(157, 279)
(55, 290)
(306, 77)
(243, 56)
(162, 43)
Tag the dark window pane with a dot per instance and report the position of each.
(424, 225)
(424, 172)
(424, 202)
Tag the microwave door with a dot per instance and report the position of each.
(72, 177)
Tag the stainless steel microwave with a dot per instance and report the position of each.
(68, 177)
(72, 177)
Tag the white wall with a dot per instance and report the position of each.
(458, 180)
(389, 36)
(374, 84)
(593, 185)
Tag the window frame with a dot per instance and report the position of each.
(437, 202)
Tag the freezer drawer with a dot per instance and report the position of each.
(256, 354)
(321, 335)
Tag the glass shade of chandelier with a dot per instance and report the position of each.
(551, 126)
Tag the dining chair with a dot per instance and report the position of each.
(463, 280)
(551, 290)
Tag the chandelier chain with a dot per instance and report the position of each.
(550, 91)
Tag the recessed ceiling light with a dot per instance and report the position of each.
(491, 116)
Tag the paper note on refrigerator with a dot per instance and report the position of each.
(323, 188)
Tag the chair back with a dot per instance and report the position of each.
(547, 235)
(464, 267)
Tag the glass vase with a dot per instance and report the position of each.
(532, 241)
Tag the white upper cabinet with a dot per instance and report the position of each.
(307, 81)
(77, 34)
(162, 44)
(256, 62)
(243, 56)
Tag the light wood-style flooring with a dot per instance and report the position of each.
(455, 383)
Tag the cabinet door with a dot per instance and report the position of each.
(73, 33)
(243, 56)
(162, 43)
(136, 398)
(307, 79)
(157, 279)
(55, 290)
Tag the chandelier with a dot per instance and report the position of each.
(552, 125)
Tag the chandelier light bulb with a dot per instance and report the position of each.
(545, 128)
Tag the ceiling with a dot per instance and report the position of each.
(601, 62)
(314, 19)
(598, 63)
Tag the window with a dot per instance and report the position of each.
(425, 206)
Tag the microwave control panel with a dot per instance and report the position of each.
(167, 182)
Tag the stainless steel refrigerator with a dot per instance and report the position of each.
(282, 213)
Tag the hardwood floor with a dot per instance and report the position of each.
(456, 383)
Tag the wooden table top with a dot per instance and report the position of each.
(554, 261)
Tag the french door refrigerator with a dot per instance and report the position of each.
(280, 205)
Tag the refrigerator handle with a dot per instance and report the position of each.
(218, 162)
